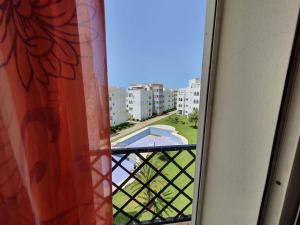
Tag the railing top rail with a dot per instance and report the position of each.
(173, 220)
(116, 151)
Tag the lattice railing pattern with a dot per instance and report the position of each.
(156, 184)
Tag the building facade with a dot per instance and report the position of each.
(139, 102)
(188, 99)
(174, 94)
(117, 106)
(146, 100)
(168, 99)
(158, 98)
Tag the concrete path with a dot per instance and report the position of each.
(138, 126)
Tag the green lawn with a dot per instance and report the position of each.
(187, 130)
(182, 125)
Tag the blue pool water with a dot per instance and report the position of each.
(152, 136)
(119, 174)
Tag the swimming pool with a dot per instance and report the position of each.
(158, 135)
(119, 174)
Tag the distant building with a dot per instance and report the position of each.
(158, 98)
(145, 100)
(139, 101)
(188, 99)
(174, 94)
(168, 99)
(117, 106)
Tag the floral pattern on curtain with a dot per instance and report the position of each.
(55, 160)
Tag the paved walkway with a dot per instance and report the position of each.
(138, 126)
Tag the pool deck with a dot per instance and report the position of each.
(152, 140)
(138, 126)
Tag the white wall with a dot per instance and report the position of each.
(255, 44)
(143, 100)
(188, 98)
(180, 106)
(139, 103)
(168, 99)
(117, 106)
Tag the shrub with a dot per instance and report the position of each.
(193, 117)
(122, 126)
(163, 157)
(176, 119)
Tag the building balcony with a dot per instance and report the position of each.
(153, 185)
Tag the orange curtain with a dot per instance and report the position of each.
(55, 161)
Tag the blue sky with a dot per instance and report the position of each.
(154, 41)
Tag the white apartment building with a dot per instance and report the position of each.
(117, 106)
(139, 101)
(168, 99)
(174, 94)
(145, 100)
(188, 98)
(158, 98)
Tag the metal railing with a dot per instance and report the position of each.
(153, 185)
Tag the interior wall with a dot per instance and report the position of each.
(255, 43)
(285, 162)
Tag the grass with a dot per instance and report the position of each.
(182, 125)
(186, 129)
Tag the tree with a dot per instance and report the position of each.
(176, 119)
(147, 197)
(193, 117)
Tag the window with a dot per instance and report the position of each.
(155, 99)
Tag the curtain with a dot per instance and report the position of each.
(55, 160)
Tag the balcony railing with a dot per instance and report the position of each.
(153, 185)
